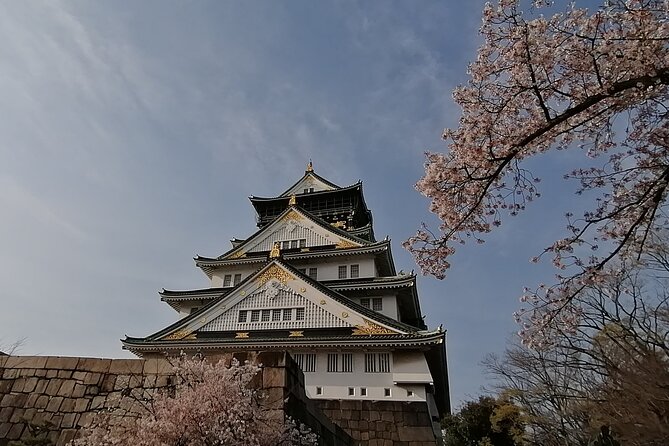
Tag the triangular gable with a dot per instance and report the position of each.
(277, 287)
(295, 224)
(309, 181)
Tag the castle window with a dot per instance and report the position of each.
(347, 362)
(299, 314)
(377, 304)
(333, 362)
(313, 273)
(386, 392)
(319, 391)
(255, 315)
(287, 314)
(409, 392)
(227, 280)
(342, 271)
(363, 391)
(365, 302)
(266, 315)
(293, 244)
(351, 391)
(238, 278)
(276, 315)
(377, 362)
(355, 271)
(306, 361)
(242, 316)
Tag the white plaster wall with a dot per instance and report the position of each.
(328, 269)
(217, 276)
(335, 385)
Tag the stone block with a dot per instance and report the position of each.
(21, 400)
(68, 405)
(78, 391)
(6, 385)
(108, 383)
(126, 366)
(94, 365)
(4, 429)
(92, 390)
(79, 376)
(5, 414)
(42, 402)
(122, 382)
(66, 436)
(40, 372)
(86, 419)
(54, 404)
(10, 374)
(66, 388)
(53, 386)
(7, 400)
(272, 377)
(17, 415)
(61, 363)
(92, 378)
(64, 374)
(29, 414)
(56, 420)
(157, 367)
(69, 420)
(30, 384)
(15, 431)
(81, 404)
(18, 385)
(98, 402)
(51, 373)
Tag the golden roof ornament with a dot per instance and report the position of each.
(275, 252)
(292, 201)
(310, 167)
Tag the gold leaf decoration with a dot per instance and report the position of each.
(343, 244)
(237, 255)
(322, 301)
(242, 335)
(274, 272)
(370, 329)
(344, 314)
(296, 334)
(292, 215)
(180, 334)
(339, 224)
(303, 290)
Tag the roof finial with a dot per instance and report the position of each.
(292, 201)
(310, 166)
(275, 252)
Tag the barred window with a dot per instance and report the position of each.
(299, 314)
(287, 314)
(265, 315)
(238, 278)
(386, 392)
(303, 242)
(347, 362)
(242, 316)
(313, 273)
(276, 315)
(333, 362)
(293, 244)
(342, 271)
(377, 362)
(377, 304)
(365, 302)
(255, 315)
(355, 271)
(363, 391)
(227, 280)
(309, 362)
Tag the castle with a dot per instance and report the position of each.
(313, 281)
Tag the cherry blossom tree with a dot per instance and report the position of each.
(210, 405)
(579, 80)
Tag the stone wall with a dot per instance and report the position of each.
(64, 394)
(382, 423)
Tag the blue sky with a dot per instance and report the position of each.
(132, 134)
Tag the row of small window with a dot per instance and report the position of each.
(311, 272)
(308, 190)
(292, 244)
(363, 391)
(349, 271)
(376, 303)
(230, 280)
(271, 315)
(343, 362)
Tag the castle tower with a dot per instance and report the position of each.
(314, 281)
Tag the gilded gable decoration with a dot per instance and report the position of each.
(370, 329)
(274, 272)
(183, 334)
(275, 252)
(343, 244)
